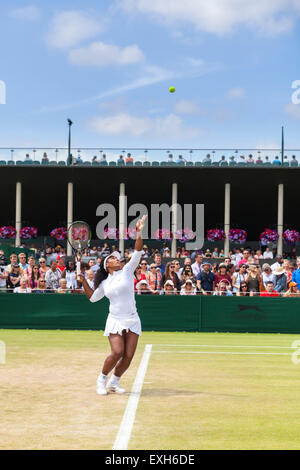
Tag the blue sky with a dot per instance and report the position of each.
(108, 66)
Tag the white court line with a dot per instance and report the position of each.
(225, 352)
(123, 437)
(222, 346)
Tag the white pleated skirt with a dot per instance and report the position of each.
(117, 325)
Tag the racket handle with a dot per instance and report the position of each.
(78, 268)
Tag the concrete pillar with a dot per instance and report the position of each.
(280, 219)
(174, 217)
(122, 218)
(18, 212)
(227, 218)
(70, 214)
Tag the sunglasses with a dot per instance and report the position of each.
(143, 264)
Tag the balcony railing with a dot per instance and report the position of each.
(149, 157)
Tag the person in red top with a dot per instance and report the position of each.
(222, 274)
(269, 292)
(138, 276)
(61, 263)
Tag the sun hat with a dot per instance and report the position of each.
(279, 270)
(143, 281)
(114, 253)
(293, 284)
(169, 282)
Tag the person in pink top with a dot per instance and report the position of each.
(245, 259)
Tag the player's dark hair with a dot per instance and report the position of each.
(100, 275)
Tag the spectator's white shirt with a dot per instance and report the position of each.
(90, 283)
(268, 255)
(3, 270)
(71, 281)
(196, 268)
(238, 257)
(18, 290)
(267, 278)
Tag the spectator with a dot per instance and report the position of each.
(138, 276)
(27, 158)
(13, 260)
(35, 276)
(269, 292)
(183, 253)
(103, 160)
(144, 268)
(105, 250)
(70, 275)
(177, 268)
(267, 275)
(53, 276)
(245, 258)
(296, 273)
(205, 279)
(288, 269)
(143, 288)
(207, 159)
(166, 253)
(31, 263)
(79, 159)
(188, 288)
(45, 158)
(61, 263)
(63, 288)
(154, 278)
(180, 160)
(268, 254)
(292, 291)
(250, 159)
(280, 279)
(223, 288)
(22, 288)
(14, 277)
(258, 255)
(121, 160)
(197, 266)
(187, 273)
(145, 252)
(22, 261)
(221, 254)
(3, 270)
(294, 159)
(207, 254)
(222, 274)
(170, 274)
(43, 267)
(259, 161)
(157, 261)
(169, 288)
(90, 276)
(129, 158)
(243, 290)
(215, 253)
(276, 161)
(253, 279)
(91, 263)
(170, 158)
(41, 287)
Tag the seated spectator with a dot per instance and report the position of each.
(121, 160)
(259, 161)
(144, 267)
(43, 267)
(61, 263)
(154, 278)
(91, 263)
(221, 253)
(270, 291)
(250, 159)
(267, 159)
(267, 274)
(41, 287)
(170, 158)
(253, 279)
(142, 288)
(205, 279)
(222, 274)
(35, 276)
(90, 276)
(223, 160)
(292, 291)
(13, 260)
(95, 159)
(70, 275)
(186, 274)
(276, 161)
(223, 288)
(166, 253)
(188, 288)
(258, 255)
(232, 160)
(28, 271)
(23, 287)
(245, 258)
(289, 268)
(207, 159)
(268, 254)
(103, 160)
(215, 253)
(296, 273)
(79, 160)
(63, 288)
(53, 276)
(22, 261)
(207, 254)
(27, 158)
(180, 160)
(197, 266)
(280, 279)
(294, 159)
(138, 276)
(169, 288)
(3, 271)
(45, 158)
(171, 275)
(157, 261)
(129, 158)
(14, 277)
(243, 290)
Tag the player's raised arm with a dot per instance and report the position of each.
(136, 256)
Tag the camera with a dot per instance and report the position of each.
(3, 261)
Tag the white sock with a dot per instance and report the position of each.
(102, 378)
(114, 380)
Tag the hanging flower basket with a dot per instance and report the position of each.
(237, 235)
(163, 234)
(59, 233)
(215, 234)
(28, 232)
(184, 235)
(291, 237)
(7, 231)
(268, 236)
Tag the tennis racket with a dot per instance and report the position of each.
(79, 237)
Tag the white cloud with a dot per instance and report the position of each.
(171, 126)
(69, 28)
(101, 54)
(236, 92)
(293, 110)
(186, 107)
(28, 13)
(221, 16)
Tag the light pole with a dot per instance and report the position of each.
(69, 160)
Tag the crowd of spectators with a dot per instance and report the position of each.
(244, 272)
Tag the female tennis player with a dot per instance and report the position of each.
(123, 325)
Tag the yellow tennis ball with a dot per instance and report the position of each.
(172, 89)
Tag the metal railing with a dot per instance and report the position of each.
(149, 157)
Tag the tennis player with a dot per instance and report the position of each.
(123, 325)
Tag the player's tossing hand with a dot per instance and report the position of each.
(141, 223)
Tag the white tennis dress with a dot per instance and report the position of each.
(119, 289)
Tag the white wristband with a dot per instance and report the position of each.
(138, 234)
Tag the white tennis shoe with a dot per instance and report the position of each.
(115, 389)
(101, 390)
